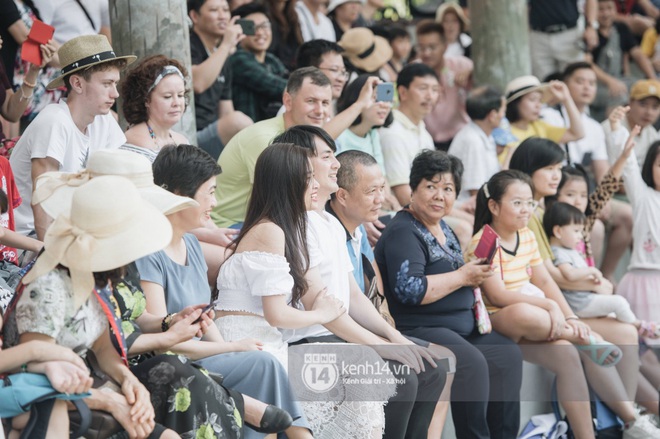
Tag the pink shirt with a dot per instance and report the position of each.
(449, 116)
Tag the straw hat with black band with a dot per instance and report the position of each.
(365, 50)
(83, 52)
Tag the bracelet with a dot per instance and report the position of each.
(573, 317)
(24, 368)
(165, 324)
(28, 84)
(25, 98)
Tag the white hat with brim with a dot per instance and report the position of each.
(365, 50)
(336, 3)
(54, 190)
(524, 85)
(109, 227)
(83, 52)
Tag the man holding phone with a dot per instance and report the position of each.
(213, 38)
(259, 77)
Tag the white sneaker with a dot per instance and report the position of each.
(642, 428)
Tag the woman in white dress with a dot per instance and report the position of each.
(260, 285)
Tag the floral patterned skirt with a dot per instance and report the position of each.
(189, 401)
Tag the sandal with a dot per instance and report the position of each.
(649, 329)
(608, 350)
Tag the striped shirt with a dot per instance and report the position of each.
(516, 264)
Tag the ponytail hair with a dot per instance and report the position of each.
(494, 189)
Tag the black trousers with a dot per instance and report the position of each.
(485, 395)
(409, 412)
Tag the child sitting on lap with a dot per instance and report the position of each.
(564, 225)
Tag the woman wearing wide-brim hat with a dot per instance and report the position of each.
(525, 97)
(66, 290)
(455, 24)
(364, 51)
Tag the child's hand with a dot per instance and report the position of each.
(595, 275)
(616, 116)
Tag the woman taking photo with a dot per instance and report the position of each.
(429, 291)
(176, 278)
(363, 135)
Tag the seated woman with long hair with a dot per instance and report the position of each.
(175, 278)
(526, 305)
(210, 407)
(261, 284)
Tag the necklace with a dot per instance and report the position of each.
(152, 134)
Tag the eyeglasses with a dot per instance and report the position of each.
(429, 48)
(529, 204)
(263, 26)
(336, 72)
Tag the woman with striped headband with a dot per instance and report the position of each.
(154, 93)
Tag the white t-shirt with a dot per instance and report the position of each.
(478, 153)
(69, 20)
(400, 143)
(54, 134)
(326, 242)
(645, 202)
(646, 137)
(593, 141)
(308, 27)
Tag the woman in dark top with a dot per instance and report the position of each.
(429, 290)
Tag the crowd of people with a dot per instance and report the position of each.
(333, 203)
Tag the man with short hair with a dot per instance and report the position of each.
(418, 89)
(258, 77)
(409, 412)
(213, 38)
(326, 55)
(63, 135)
(358, 199)
(307, 100)
(474, 143)
(454, 73)
(582, 84)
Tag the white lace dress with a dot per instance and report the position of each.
(354, 412)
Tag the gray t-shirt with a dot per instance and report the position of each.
(577, 300)
(184, 285)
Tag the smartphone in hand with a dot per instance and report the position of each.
(385, 92)
(206, 309)
(247, 26)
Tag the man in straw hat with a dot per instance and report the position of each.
(63, 135)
